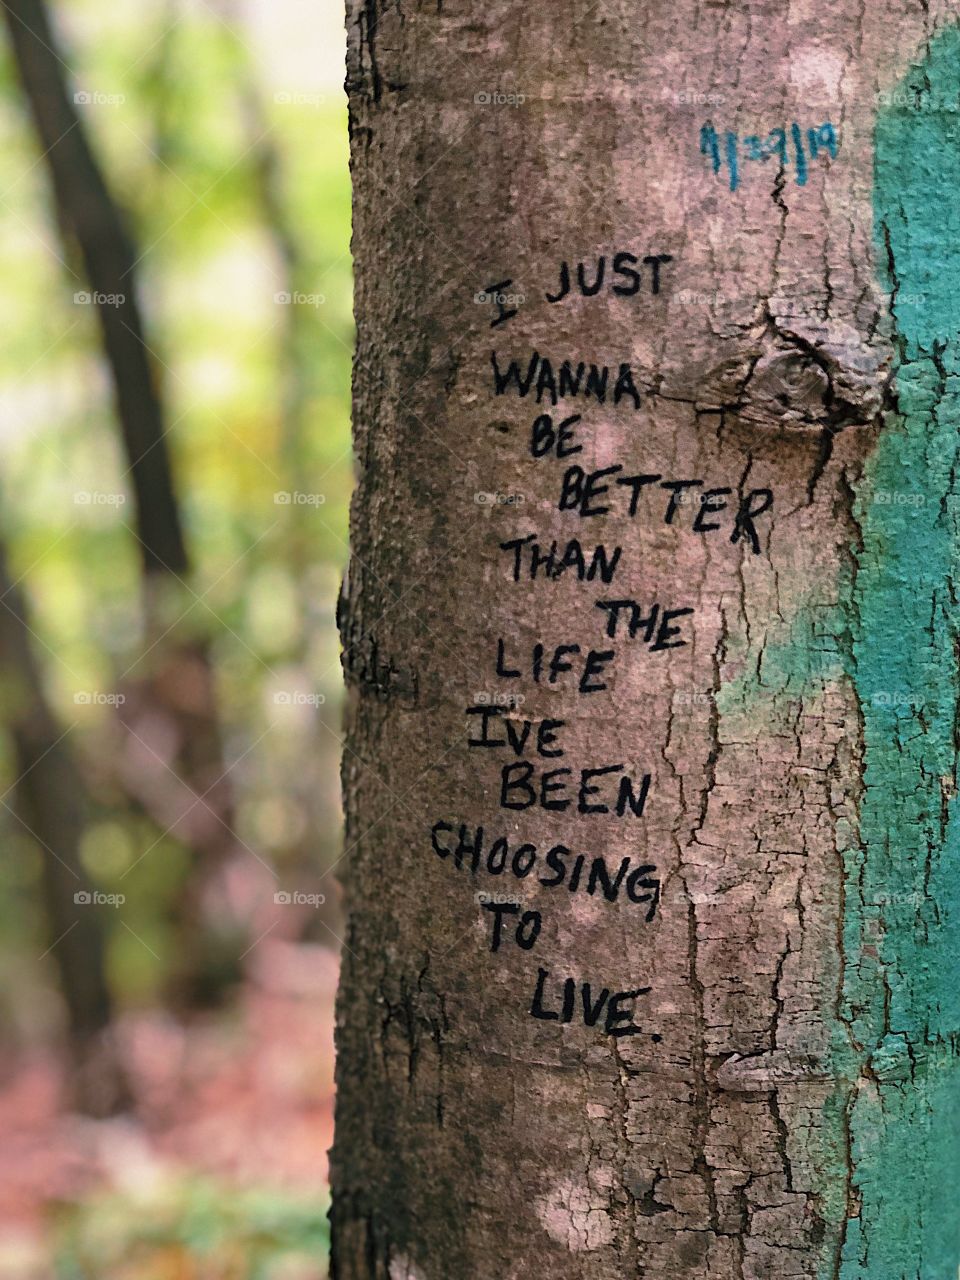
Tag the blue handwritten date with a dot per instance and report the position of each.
(791, 146)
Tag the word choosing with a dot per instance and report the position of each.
(477, 850)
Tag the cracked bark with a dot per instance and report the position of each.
(474, 1141)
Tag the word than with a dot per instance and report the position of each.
(534, 560)
(563, 1006)
(582, 491)
(731, 150)
(472, 849)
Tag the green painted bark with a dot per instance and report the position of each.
(902, 926)
(891, 1170)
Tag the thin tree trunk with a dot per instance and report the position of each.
(703, 1022)
(172, 693)
(49, 801)
(87, 209)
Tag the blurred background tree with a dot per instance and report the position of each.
(175, 471)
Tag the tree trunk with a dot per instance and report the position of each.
(172, 691)
(87, 210)
(651, 966)
(50, 800)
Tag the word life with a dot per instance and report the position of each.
(793, 145)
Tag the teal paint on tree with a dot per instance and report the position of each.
(896, 633)
(902, 919)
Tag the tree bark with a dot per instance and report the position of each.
(702, 1021)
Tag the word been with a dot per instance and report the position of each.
(522, 787)
(557, 868)
(785, 144)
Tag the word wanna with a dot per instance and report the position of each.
(558, 867)
(590, 381)
(727, 149)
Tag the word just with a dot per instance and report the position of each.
(624, 274)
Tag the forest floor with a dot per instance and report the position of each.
(220, 1170)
